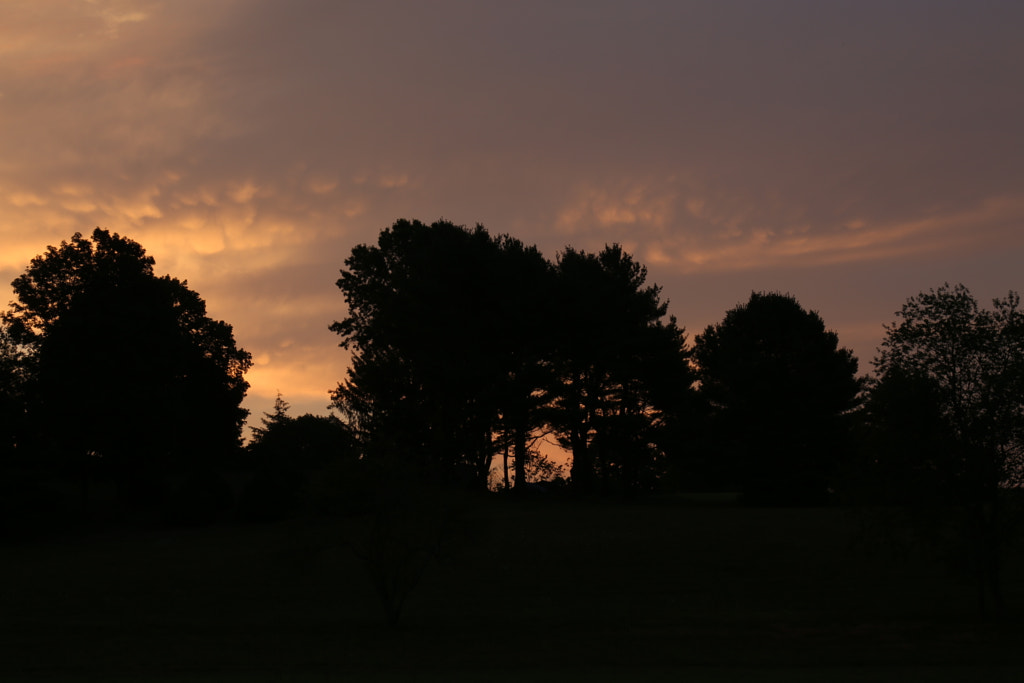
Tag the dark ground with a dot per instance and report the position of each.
(548, 591)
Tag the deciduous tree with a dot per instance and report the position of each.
(969, 365)
(127, 365)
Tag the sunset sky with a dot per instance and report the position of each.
(851, 154)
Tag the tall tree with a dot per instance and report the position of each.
(623, 370)
(127, 363)
(523, 282)
(441, 327)
(970, 363)
(780, 388)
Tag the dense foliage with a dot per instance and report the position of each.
(947, 419)
(467, 346)
(972, 360)
(781, 389)
(121, 366)
(442, 332)
(462, 342)
(623, 372)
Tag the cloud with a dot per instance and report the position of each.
(856, 241)
(303, 374)
(244, 192)
(23, 199)
(116, 14)
(623, 212)
(250, 145)
(322, 185)
(691, 225)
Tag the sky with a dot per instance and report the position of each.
(851, 154)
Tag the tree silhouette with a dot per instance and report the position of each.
(126, 363)
(907, 449)
(440, 325)
(291, 456)
(523, 312)
(623, 370)
(269, 421)
(304, 442)
(465, 345)
(780, 388)
(967, 365)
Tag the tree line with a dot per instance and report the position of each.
(467, 349)
(467, 346)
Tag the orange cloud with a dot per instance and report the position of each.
(115, 16)
(22, 199)
(299, 372)
(322, 185)
(856, 240)
(391, 181)
(243, 193)
(651, 204)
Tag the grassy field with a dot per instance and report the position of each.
(547, 591)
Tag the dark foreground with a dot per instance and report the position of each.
(546, 592)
